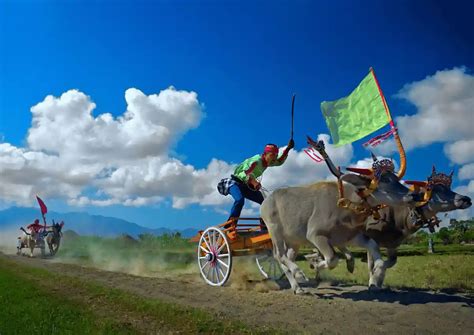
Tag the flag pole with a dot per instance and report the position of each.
(398, 141)
(292, 114)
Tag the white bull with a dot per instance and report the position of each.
(298, 215)
(31, 241)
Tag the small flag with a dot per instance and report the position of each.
(313, 155)
(379, 138)
(43, 207)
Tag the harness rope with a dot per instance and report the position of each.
(361, 208)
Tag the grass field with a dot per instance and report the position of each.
(34, 301)
(437, 272)
(450, 268)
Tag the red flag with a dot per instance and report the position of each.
(380, 138)
(43, 207)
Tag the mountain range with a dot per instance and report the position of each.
(83, 223)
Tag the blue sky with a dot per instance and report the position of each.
(243, 59)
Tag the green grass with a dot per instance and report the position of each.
(451, 267)
(438, 272)
(145, 257)
(35, 301)
(27, 309)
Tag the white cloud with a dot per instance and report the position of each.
(66, 126)
(445, 114)
(445, 111)
(467, 172)
(104, 160)
(125, 158)
(445, 103)
(462, 151)
(300, 169)
(297, 170)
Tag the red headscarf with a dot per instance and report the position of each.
(271, 148)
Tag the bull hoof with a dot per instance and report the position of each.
(300, 291)
(301, 278)
(374, 288)
(350, 265)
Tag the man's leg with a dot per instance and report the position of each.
(239, 201)
(255, 196)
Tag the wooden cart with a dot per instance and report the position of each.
(217, 245)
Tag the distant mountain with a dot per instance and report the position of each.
(84, 223)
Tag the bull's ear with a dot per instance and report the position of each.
(356, 180)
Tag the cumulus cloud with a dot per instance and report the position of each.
(445, 103)
(445, 114)
(300, 169)
(462, 151)
(66, 126)
(124, 158)
(467, 172)
(297, 170)
(104, 160)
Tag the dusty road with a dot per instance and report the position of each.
(327, 310)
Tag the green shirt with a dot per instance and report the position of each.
(255, 166)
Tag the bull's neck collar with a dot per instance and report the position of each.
(425, 211)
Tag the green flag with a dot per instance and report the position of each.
(357, 115)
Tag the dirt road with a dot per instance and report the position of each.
(326, 310)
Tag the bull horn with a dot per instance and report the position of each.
(365, 172)
(311, 142)
(433, 170)
(451, 174)
(416, 183)
(373, 156)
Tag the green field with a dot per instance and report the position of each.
(450, 268)
(35, 301)
(436, 272)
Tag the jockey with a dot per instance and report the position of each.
(243, 184)
(35, 227)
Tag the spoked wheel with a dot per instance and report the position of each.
(214, 256)
(269, 266)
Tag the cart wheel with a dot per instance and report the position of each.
(269, 266)
(214, 256)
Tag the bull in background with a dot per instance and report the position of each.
(53, 239)
(31, 239)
